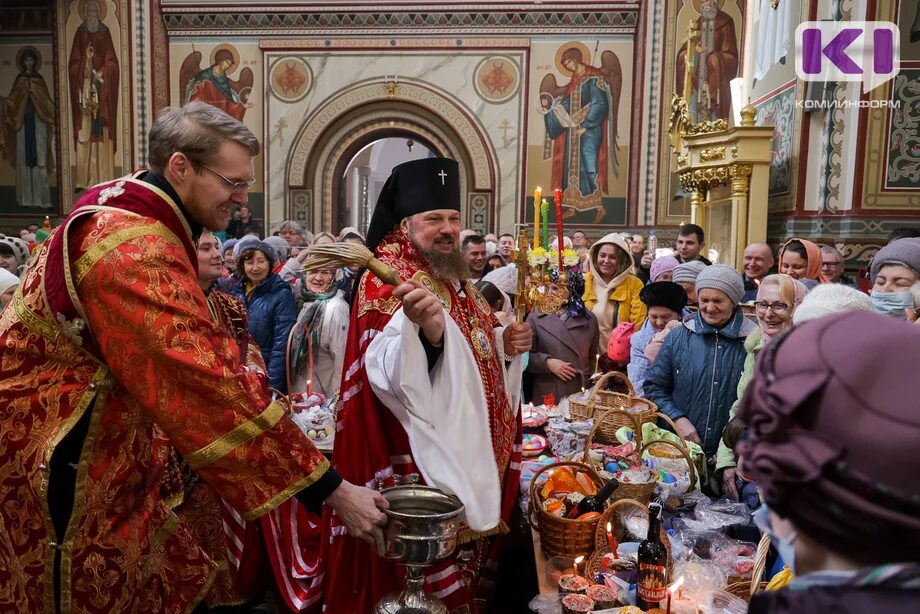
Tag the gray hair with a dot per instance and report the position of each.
(830, 249)
(197, 130)
(292, 226)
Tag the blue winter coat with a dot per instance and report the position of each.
(272, 313)
(695, 375)
(639, 366)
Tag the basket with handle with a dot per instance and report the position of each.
(601, 401)
(613, 515)
(642, 491)
(746, 589)
(562, 536)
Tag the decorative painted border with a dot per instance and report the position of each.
(362, 44)
(415, 21)
(781, 104)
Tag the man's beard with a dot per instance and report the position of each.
(709, 13)
(446, 265)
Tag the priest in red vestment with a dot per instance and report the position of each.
(431, 388)
(111, 365)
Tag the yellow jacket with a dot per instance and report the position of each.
(631, 308)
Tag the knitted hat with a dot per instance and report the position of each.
(245, 243)
(721, 277)
(18, 247)
(662, 265)
(902, 251)
(7, 280)
(228, 244)
(687, 271)
(262, 246)
(350, 232)
(282, 248)
(829, 299)
(664, 294)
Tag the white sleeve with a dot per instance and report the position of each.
(443, 412)
(291, 270)
(513, 371)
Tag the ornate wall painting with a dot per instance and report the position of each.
(903, 168)
(27, 129)
(720, 24)
(579, 132)
(215, 83)
(95, 93)
(497, 79)
(779, 112)
(290, 79)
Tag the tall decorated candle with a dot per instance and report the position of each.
(537, 198)
(557, 198)
(544, 208)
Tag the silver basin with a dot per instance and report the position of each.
(423, 524)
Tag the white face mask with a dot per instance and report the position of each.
(892, 303)
(784, 545)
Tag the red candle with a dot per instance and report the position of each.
(557, 198)
(611, 540)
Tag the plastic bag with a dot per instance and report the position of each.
(567, 438)
(720, 602)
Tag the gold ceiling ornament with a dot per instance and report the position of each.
(712, 153)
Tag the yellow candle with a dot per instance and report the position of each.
(537, 199)
(597, 362)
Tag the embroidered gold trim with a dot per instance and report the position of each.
(241, 434)
(468, 535)
(435, 286)
(98, 391)
(159, 538)
(33, 321)
(99, 250)
(386, 306)
(203, 592)
(164, 196)
(288, 492)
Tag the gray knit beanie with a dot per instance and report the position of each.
(721, 277)
(687, 271)
(902, 251)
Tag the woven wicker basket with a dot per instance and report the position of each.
(748, 588)
(613, 515)
(601, 402)
(562, 536)
(642, 491)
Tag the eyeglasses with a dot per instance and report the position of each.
(776, 307)
(831, 264)
(235, 186)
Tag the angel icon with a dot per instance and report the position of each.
(581, 126)
(213, 84)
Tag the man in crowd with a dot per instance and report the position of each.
(241, 224)
(474, 250)
(758, 260)
(690, 242)
(506, 246)
(637, 249)
(832, 267)
(113, 325)
(431, 387)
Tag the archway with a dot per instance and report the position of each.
(331, 136)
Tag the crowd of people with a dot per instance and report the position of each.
(171, 299)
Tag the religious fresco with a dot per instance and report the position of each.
(497, 79)
(27, 130)
(215, 84)
(719, 26)
(95, 93)
(290, 79)
(779, 112)
(578, 137)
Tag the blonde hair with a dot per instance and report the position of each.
(786, 285)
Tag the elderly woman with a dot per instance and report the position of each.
(321, 328)
(832, 431)
(611, 290)
(684, 275)
(801, 259)
(665, 302)
(8, 285)
(662, 269)
(777, 299)
(563, 343)
(270, 304)
(694, 379)
(893, 272)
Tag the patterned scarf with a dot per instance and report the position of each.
(309, 321)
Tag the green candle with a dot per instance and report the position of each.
(544, 213)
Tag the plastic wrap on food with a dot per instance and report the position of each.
(720, 602)
(567, 438)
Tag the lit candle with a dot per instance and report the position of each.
(537, 197)
(309, 386)
(557, 198)
(575, 566)
(544, 208)
(597, 362)
(611, 540)
(673, 589)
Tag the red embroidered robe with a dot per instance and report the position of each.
(370, 445)
(111, 318)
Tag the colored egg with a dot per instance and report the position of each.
(588, 516)
(612, 467)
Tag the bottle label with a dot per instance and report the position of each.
(652, 583)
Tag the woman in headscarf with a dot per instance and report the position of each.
(893, 272)
(321, 328)
(563, 344)
(801, 259)
(611, 290)
(777, 299)
(832, 431)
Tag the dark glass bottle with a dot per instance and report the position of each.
(652, 582)
(595, 503)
